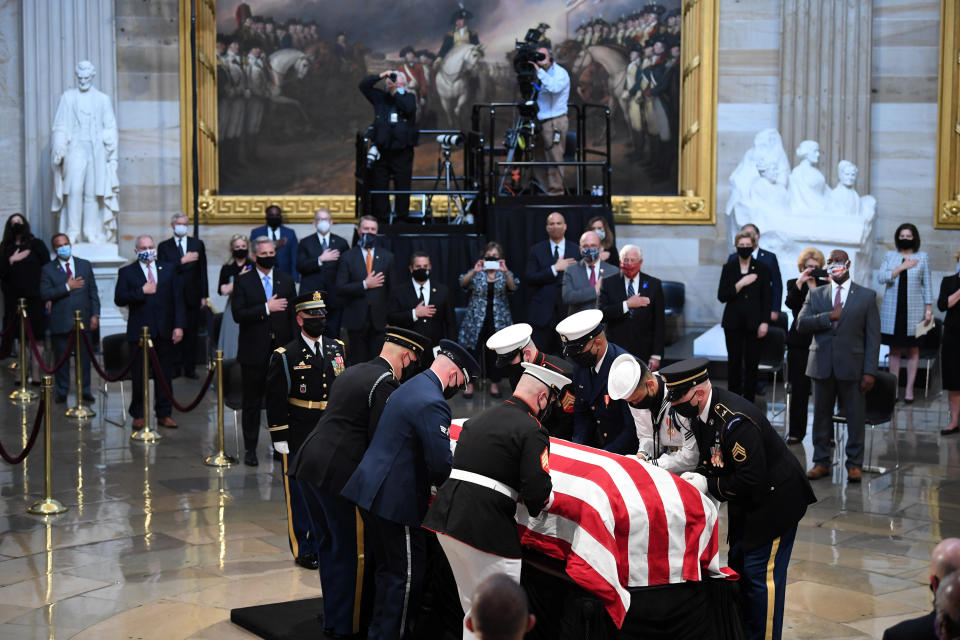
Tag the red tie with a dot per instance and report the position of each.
(150, 277)
(67, 266)
(593, 277)
(837, 305)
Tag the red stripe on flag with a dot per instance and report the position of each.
(713, 547)
(589, 519)
(658, 547)
(693, 529)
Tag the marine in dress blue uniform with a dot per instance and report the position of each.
(598, 420)
(299, 377)
(746, 464)
(410, 450)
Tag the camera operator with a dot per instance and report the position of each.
(395, 135)
(552, 100)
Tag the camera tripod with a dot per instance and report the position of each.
(522, 136)
(447, 177)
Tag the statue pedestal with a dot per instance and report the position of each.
(106, 261)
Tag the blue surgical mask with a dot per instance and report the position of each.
(600, 234)
(591, 255)
(63, 252)
(179, 230)
(147, 255)
(401, 90)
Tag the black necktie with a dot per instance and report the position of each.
(323, 244)
(556, 253)
(421, 293)
(180, 246)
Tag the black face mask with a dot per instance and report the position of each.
(314, 326)
(367, 240)
(544, 415)
(412, 369)
(744, 252)
(266, 262)
(449, 392)
(687, 409)
(903, 244)
(421, 275)
(17, 228)
(240, 254)
(274, 222)
(585, 359)
(648, 402)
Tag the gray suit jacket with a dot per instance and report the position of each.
(577, 293)
(853, 348)
(53, 288)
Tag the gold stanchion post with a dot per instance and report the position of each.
(23, 394)
(47, 506)
(79, 412)
(221, 459)
(146, 434)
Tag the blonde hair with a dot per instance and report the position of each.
(744, 233)
(806, 254)
(234, 238)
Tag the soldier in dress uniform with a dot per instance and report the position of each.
(298, 381)
(503, 454)
(514, 346)
(325, 462)
(666, 439)
(410, 450)
(460, 34)
(746, 464)
(598, 420)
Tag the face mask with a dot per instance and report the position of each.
(649, 401)
(314, 326)
(367, 240)
(401, 90)
(63, 252)
(179, 230)
(630, 270)
(591, 255)
(266, 262)
(585, 359)
(449, 392)
(687, 409)
(240, 254)
(744, 252)
(412, 369)
(17, 228)
(421, 275)
(323, 226)
(544, 414)
(836, 269)
(147, 255)
(274, 222)
(903, 243)
(600, 234)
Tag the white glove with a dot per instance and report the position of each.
(549, 504)
(696, 479)
(284, 448)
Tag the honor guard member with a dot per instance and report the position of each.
(666, 439)
(410, 450)
(514, 345)
(328, 457)
(298, 381)
(598, 420)
(502, 455)
(746, 464)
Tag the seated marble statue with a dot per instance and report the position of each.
(767, 146)
(807, 186)
(844, 200)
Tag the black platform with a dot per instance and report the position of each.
(293, 620)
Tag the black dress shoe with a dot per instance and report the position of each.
(88, 398)
(308, 561)
(59, 399)
(950, 432)
(250, 459)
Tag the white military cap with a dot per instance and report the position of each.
(625, 374)
(576, 330)
(549, 376)
(511, 338)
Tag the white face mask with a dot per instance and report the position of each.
(600, 234)
(179, 230)
(323, 226)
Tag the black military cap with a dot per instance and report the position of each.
(681, 376)
(461, 14)
(416, 342)
(407, 49)
(310, 303)
(461, 357)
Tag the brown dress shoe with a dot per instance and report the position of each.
(854, 475)
(818, 471)
(138, 423)
(167, 422)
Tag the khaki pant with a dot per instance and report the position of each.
(551, 178)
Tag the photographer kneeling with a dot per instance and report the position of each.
(552, 101)
(394, 135)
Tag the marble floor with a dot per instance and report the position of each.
(157, 545)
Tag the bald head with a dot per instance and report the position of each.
(945, 559)
(499, 610)
(948, 607)
(556, 226)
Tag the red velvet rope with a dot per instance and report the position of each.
(36, 353)
(33, 438)
(158, 375)
(96, 365)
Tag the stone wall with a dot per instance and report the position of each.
(11, 109)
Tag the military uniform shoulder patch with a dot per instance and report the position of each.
(545, 459)
(281, 350)
(739, 453)
(339, 341)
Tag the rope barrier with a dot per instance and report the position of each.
(100, 370)
(36, 353)
(158, 375)
(33, 438)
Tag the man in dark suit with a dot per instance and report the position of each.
(410, 450)
(545, 266)
(67, 283)
(363, 284)
(262, 306)
(190, 258)
(944, 560)
(776, 280)
(283, 238)
(845, 324)
(318, 256)
(154, 294)
(632, 305)
(598, 421)
(422, 304)
(330, 455)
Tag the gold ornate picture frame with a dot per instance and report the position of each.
(948, 130)
(695, 204)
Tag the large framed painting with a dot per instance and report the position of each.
(948, 138)
(278, 109)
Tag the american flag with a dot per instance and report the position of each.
(573, 4)
(617, 522)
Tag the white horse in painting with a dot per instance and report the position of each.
(456, 70)
(614, 63)
(281, 63)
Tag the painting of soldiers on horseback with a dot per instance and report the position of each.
(288, 106)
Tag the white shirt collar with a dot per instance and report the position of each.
(755, 253)
(268, 275)
(425, 284)
(324, 236)
(310, 342)
(706, 408)
(596, 367)
(70, 263)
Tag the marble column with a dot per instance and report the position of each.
(56, 35)
(825, 70)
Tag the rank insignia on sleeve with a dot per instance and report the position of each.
(545, 460)
(445, 430)
(739, 453)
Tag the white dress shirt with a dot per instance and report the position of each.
(636, 290)
(844, 292)
(554, 91)
(596, 367)
(323, 238)
(147, 269)
(426, 295)
(315, 345)
(63, 264)
(559, 247)
(706, 408)
(181, 242)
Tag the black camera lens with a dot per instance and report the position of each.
(393, 77)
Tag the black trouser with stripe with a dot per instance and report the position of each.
(400, 558)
